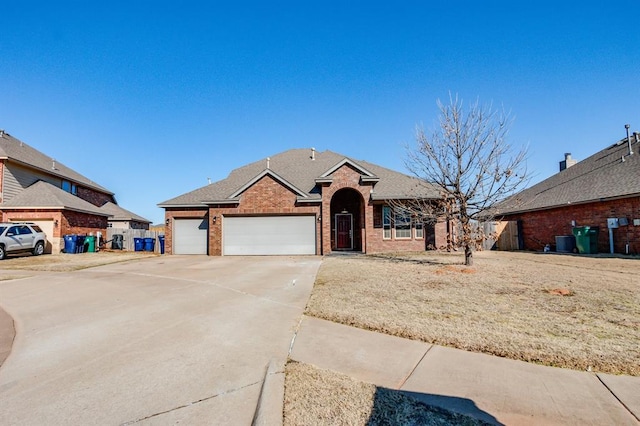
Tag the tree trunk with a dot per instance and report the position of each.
(468, 255)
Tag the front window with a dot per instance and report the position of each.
(402, 223)
(419, 228)
(386, 222)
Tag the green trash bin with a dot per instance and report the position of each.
(90, 243)
(586, 239)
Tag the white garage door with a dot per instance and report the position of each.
(269, 235)
(190, 236)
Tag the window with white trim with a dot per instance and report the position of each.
(386, 222)
(419, 228)
(402, 222)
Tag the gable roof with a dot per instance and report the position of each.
(301, 170)
(13, 149)
(118, 213)
(43, 195)
(608, 174)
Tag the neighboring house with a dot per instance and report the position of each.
(124, 219)
(301, 202)
(585, 193)
(36, 188)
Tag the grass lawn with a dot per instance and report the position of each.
(320, 397)
(579, 312)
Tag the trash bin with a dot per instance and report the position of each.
(161, 241)
(149, 244)
(586, 239)
(70, 243)
(117, 242)
(138, 244)
(90, 244)
(80, 244)
(565, 243)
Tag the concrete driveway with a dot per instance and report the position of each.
(173, 339)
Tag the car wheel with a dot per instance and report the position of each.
(3, 253)
(38, 249)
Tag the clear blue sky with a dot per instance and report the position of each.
(151, 98)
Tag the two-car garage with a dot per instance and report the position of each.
(250, 235)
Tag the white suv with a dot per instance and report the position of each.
(17, 237)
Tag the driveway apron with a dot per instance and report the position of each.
(173, 339)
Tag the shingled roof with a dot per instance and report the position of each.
(43, 195)
(13, 149)
(301, 170)
(118, 213)
(609, 174)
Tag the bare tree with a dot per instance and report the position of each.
(468, 158)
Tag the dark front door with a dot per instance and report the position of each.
(344, 232)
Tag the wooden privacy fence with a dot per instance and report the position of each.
(501, 235)
(128, 235)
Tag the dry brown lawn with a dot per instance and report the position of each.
(65, 262)
(579, 312)
(320, 397)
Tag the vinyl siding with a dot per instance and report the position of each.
(16, 178)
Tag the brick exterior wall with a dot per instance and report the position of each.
(94, 197)
(269, 197)
(541, 227)
(68, 222)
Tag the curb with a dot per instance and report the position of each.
(271, 398)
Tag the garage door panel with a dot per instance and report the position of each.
(269, 235)
(190, 236)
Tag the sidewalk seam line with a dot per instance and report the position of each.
(616, 397)
(131, 422)
(402, 383)
(295, 334)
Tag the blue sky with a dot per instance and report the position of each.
(151, 98)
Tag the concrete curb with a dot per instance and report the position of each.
(7, 335)
(271, 398)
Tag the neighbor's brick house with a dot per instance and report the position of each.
(586, 193)
(301, 202)
(36, 188)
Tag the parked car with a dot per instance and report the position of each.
(20, 237)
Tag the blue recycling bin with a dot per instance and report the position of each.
(80, 244)
(70, 243)
(161, 241)
(138, 244)
(149, 244)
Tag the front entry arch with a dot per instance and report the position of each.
(347, 220)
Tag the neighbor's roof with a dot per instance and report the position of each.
(118, 213)
(43, 195)
(13, 149)
(608, 174)
(297, 170)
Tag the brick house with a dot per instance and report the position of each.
(36, 188)
(121, 218)
(301, 202)
(586, 193)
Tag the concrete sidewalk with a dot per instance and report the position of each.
(497, 390)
